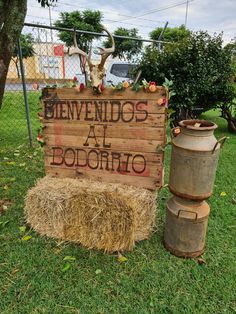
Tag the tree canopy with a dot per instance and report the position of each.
(26, 42)
(27, 50)
(87, 20)
(125, 48)
(12, 17)
(172, 34)
(45, 3)
(201, 71)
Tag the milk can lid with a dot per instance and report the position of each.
(187, 209)
(198, 125)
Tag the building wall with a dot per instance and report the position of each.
(43, 65)
(49, 64)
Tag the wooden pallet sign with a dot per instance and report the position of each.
(111, 137)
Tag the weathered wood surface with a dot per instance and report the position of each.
(56, 151)
(152, 120)
(111, 137)
(70, 93)
(123, 132)
(116, 144)
(144, 182)
(113, 167)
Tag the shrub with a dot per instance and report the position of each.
(201, 71)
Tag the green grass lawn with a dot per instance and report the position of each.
(13, 126)
(152, 280)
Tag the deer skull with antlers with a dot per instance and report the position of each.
(97, 71)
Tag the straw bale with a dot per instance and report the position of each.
(99, 215)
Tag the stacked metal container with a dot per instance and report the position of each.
(194, 157)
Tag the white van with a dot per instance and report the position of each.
(118, 71)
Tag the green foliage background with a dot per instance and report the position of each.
(200, 68)
(171, 34)
(26, 42)
(125, 48)
(87, 20)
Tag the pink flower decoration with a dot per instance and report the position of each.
(82, 86)
(40, 138)
(165, 102)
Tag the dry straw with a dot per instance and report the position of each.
(104, 216)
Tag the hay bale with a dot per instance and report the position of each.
(104, 216)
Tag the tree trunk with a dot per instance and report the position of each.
(17, 68)
(179, 115)
(227, 115)
(83, 69)
(12, 16)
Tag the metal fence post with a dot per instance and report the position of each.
(25, 93)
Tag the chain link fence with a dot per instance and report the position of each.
(50, 64)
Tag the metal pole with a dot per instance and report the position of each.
(161, 35)
(186, 14)
(24, 92)
(50, 19)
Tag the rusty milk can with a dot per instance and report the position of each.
(186, 226)
(194, 158)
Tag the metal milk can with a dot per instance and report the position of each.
(194, 157)
(186, 226)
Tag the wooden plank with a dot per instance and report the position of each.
(111, 137)
(106, 166)
(71, 93)
(131, 132)
(152, 120)
(83, 151)
(94, 105)
(142, 182)
(115, 144)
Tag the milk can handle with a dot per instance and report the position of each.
(221, 142)
(188, 211)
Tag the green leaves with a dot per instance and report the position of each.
(223, 193)
(4, 223)
(160, 148)
(196, 77)
(10, 163)
(136, 87)
(168, 83)
(69, 258)
(27, 49)
(66, 267)
(89, 20)
(26, 237)
(46, 2)
(98, 271)
(121, 258)
(171, 34)
(119, 86)
(22, 229)
(69, 261)
(126, 49)
(16, 153)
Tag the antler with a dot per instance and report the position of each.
(77, 50)
(105, 52)
(97, 71)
